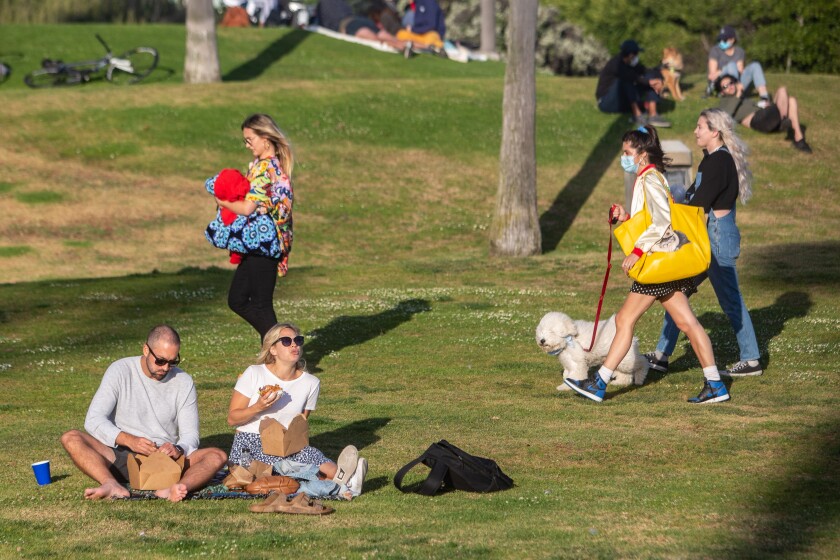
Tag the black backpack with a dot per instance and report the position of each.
(453, 468)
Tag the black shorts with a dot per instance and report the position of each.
(767, 119)
(119, 468)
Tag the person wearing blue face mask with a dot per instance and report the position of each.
(728, 58)
(626, 86)
(642, 154)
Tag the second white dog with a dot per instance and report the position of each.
(558, 335)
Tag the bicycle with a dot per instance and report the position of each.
(128, 68)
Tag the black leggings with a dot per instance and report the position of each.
(251, 294)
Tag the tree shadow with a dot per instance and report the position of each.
(798, 263)
(768, 322)
(792, 512)
(556, 221)
(271, 54)
(344, 331)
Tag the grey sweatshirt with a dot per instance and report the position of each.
(128, 401)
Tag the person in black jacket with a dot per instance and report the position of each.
(626, 86)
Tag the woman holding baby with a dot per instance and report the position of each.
(643, 155)
(251, 294)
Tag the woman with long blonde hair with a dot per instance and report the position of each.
(251, 294)
(279, 387)
(722, 177)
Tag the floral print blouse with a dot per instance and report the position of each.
(271, 189)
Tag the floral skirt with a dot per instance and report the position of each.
(252, 442)
(686, 286)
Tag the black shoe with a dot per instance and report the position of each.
(743, 369)
(712, 392)
(658, 365)
(802, 146)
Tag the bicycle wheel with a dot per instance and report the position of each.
(51, 77)
(132, 66)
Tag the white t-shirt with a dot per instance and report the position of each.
(298, 395)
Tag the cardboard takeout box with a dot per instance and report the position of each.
(282, 442)
(154, 472)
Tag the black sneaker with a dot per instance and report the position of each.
(658, 365)
(712, 392)
(743, 369)
(802, 146)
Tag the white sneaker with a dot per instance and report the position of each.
(358, 479)
(346, 464)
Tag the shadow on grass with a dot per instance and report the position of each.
(795, 512)
(96, 311)
(768, 321)
(799, 263)
(270, 55)
(362, 434)
(344, 331)
(556, 221)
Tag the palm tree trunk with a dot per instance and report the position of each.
(201, 65)
(516, 229)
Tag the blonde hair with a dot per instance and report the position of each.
(270, 339)
(265, 127)
(720, 121)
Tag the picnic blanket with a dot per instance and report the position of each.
(378, 45)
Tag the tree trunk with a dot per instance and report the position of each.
(488, 26)
(201, 65)
(516, 227)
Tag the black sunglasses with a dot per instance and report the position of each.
(164, 361)
(287, 341)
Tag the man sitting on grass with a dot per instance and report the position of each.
(144, 405)
(337, 15)
(783, 114)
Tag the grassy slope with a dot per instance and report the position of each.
(415, 333)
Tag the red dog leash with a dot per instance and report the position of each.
(610, 222)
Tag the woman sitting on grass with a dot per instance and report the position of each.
(281, 363)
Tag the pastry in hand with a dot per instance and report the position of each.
(267, 389)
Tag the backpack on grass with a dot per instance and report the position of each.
(453, 468)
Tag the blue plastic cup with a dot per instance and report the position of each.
(42, 472)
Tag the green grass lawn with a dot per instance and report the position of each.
(415, 333)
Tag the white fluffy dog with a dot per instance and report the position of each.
(560, 336)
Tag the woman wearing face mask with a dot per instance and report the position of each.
(728, 58)
(643, 155)
(723, 176)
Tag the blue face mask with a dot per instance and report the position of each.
(629, 165)
(724, 45)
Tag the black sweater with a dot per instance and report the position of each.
(716, 184)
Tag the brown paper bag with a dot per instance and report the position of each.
(153, 472)
(282, 442)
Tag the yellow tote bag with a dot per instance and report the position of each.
(689, 260)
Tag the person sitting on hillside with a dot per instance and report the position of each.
(783, 114)
(625, 85)
(424, 23)
(728, 58)
(338, 16)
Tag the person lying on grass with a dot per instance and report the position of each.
(145, 404)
